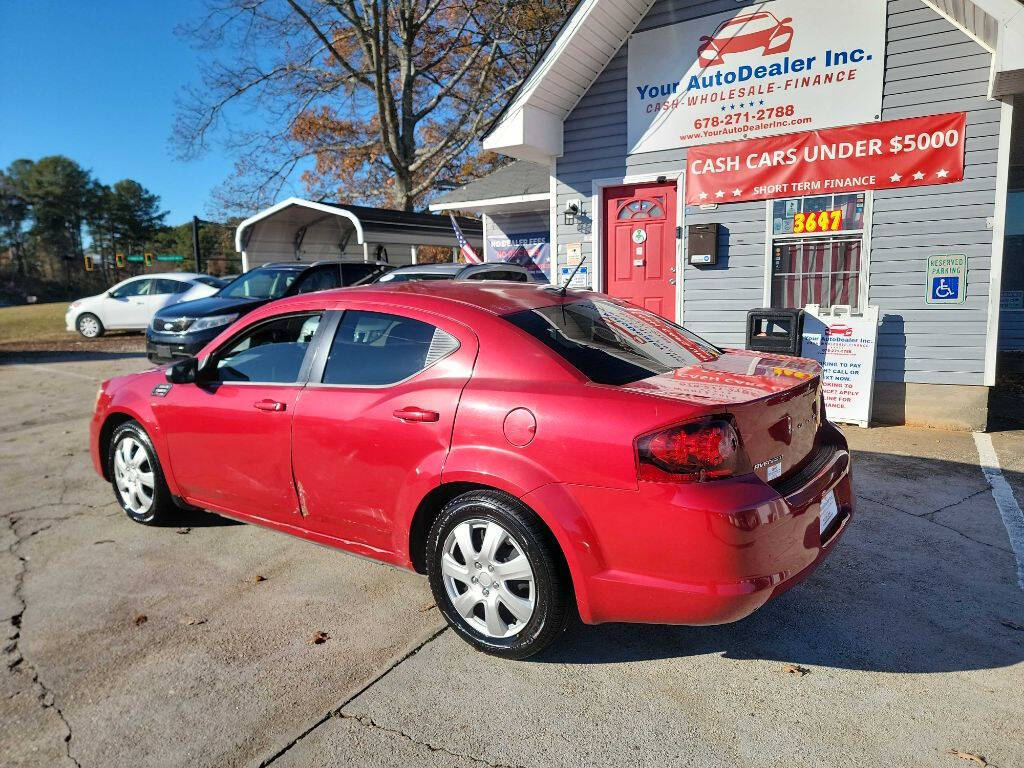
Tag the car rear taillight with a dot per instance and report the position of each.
(703, 450)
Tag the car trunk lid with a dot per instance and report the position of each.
(773, 401)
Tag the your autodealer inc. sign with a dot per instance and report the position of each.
(777, 67)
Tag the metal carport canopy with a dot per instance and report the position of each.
(304, 230)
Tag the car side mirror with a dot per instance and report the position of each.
(183, 372)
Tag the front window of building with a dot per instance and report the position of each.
(818, 250)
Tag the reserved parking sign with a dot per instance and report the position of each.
(947, 280)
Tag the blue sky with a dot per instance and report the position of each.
(97, 81)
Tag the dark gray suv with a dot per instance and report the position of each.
(181, 330)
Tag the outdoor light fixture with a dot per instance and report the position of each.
(573, 208)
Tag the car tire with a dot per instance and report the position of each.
(137, 478)
(89, 325)
(509, 617)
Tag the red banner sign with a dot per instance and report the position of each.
(897, 153)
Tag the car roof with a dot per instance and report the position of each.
(300, 265)
(172, 275)
(497, 297)
(430, 269)
(492, 265)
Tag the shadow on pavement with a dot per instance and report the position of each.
(198, 518)
(13, 357)
(900, 593)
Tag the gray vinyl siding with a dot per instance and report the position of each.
(931, 67)
(918, 343)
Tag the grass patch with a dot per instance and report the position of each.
(33, 322)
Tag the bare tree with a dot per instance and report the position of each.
(375, 101)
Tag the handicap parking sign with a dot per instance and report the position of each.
(947, 279)
(947, 288)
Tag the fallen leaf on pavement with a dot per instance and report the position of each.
(256, 578)
(192, 621)
(319, 638)
(184, 530)
(970, 757)
(139, 620)
(104, 541)
(796, 669)
(1012, 625)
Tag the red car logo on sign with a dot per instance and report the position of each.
(840, 330)
(746, 32)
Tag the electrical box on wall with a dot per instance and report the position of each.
(702, 244)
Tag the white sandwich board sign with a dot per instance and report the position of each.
(845, 346)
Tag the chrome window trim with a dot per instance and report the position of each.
(218, 384)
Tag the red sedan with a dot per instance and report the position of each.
(532, 452)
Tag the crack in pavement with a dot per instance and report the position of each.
(336, 710)
(926, 517)
(15, 659)
(923, 515)
(370, 723)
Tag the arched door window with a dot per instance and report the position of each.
(642, 209)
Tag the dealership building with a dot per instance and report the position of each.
(704, 159)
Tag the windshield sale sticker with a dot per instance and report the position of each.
(773, 68)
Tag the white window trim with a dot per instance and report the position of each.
(865, 231)
(597, 223)
(553, 222)
(998, 239)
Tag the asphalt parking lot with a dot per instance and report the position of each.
(193, 646)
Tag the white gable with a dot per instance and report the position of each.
(531, 127)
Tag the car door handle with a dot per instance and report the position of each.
(269, 405)
(416, 414)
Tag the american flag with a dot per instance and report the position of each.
(467, 250)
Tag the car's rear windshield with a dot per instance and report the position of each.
(260, 284)
(358, 274)
(405, 277)
(613, 343)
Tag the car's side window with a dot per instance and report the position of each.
(270, 352)
(321, 280)
(134, 288)
(166, 285)
(375, 349)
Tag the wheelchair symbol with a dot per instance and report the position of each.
(947, 288)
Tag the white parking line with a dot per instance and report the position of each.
(1009, 509)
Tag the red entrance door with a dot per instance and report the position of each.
(640, 245)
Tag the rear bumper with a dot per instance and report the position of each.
(705, 553)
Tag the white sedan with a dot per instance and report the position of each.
(131, 304)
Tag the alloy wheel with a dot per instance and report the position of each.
(133, 475)
(488, 578)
